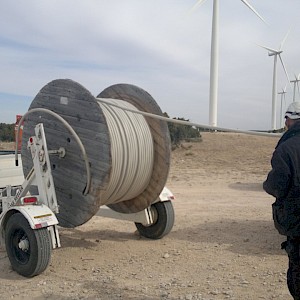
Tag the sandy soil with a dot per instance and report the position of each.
(223, 244)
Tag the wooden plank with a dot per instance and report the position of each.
(72, 211)
(73, 108)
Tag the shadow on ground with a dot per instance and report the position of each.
(248, 186)
(247, 237)
(78, 238)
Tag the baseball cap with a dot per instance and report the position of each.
(293, 111)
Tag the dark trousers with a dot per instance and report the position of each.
(292, 247)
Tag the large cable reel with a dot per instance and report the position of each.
(94, 122)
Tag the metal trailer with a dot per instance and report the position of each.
(28, 224)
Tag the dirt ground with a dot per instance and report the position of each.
(223, 244)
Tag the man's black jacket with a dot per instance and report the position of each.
(283, 182)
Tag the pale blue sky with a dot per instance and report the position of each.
(158, 45)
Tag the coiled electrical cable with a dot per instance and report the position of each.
(132, 152)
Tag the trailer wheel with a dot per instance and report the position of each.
(28, 250)
(163, 217)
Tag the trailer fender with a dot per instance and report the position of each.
(38, 216)
(165, 195)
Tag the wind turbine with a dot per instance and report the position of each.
(295, 82)
(282, 93)
(214, 58)
(276, 54)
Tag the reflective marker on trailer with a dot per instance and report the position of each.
(43, 216)
(41, 225)
(44, 220)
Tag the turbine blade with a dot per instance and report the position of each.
(268, 48)
(196, 5)
(284, 39)
(284, 68)
(253, 9)
(298, 77)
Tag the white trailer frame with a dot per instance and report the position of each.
(18, 206)
(41, 213)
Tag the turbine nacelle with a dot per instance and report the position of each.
(274, 53)
(297, 78)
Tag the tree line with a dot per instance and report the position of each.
(178, 132)
(7, 132)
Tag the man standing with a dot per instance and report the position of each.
(283, 182)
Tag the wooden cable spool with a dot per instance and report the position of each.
(82, 111)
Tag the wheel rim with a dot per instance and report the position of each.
(154, 214)
(20, 246)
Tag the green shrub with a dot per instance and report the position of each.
(7, 132)
(179, 132)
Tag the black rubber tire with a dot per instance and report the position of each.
(164, 218)
(36, 258)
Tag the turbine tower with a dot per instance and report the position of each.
(295, 82)
(276, 54)
(214, 58)
(282, 93)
